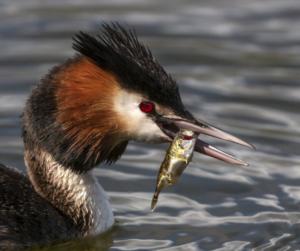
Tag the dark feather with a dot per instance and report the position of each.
(118, 50)
(25, 217)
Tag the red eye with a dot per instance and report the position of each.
(146, 107)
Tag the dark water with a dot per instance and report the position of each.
(237, 63)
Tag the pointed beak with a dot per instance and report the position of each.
(170, 125)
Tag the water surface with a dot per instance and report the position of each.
(237, 64)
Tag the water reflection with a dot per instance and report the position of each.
(99, 243)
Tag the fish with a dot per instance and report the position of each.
(177, 158)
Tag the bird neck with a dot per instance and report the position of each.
(78, 195)
(69, 127)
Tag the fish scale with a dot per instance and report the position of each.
(178, 156)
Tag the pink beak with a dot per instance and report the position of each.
(201, 146)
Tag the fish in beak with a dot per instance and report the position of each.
(184, 132)
(170, 125)
(177, 158)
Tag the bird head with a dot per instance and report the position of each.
(87, 110)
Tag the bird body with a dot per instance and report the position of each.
(25, 217)
(82, 113)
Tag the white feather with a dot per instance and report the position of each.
(82, 192)
(140, 127)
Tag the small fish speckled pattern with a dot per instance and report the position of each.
(177, 158)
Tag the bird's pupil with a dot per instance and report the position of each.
(146, 107)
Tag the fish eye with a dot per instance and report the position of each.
(147, 106)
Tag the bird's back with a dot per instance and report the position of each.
(27, 219)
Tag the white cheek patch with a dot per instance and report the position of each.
(139, 126)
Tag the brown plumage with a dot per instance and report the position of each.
(85, 109)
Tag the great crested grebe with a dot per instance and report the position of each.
(82, 113)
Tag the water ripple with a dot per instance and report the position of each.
(237, 66)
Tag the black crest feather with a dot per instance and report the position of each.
(118, 50)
